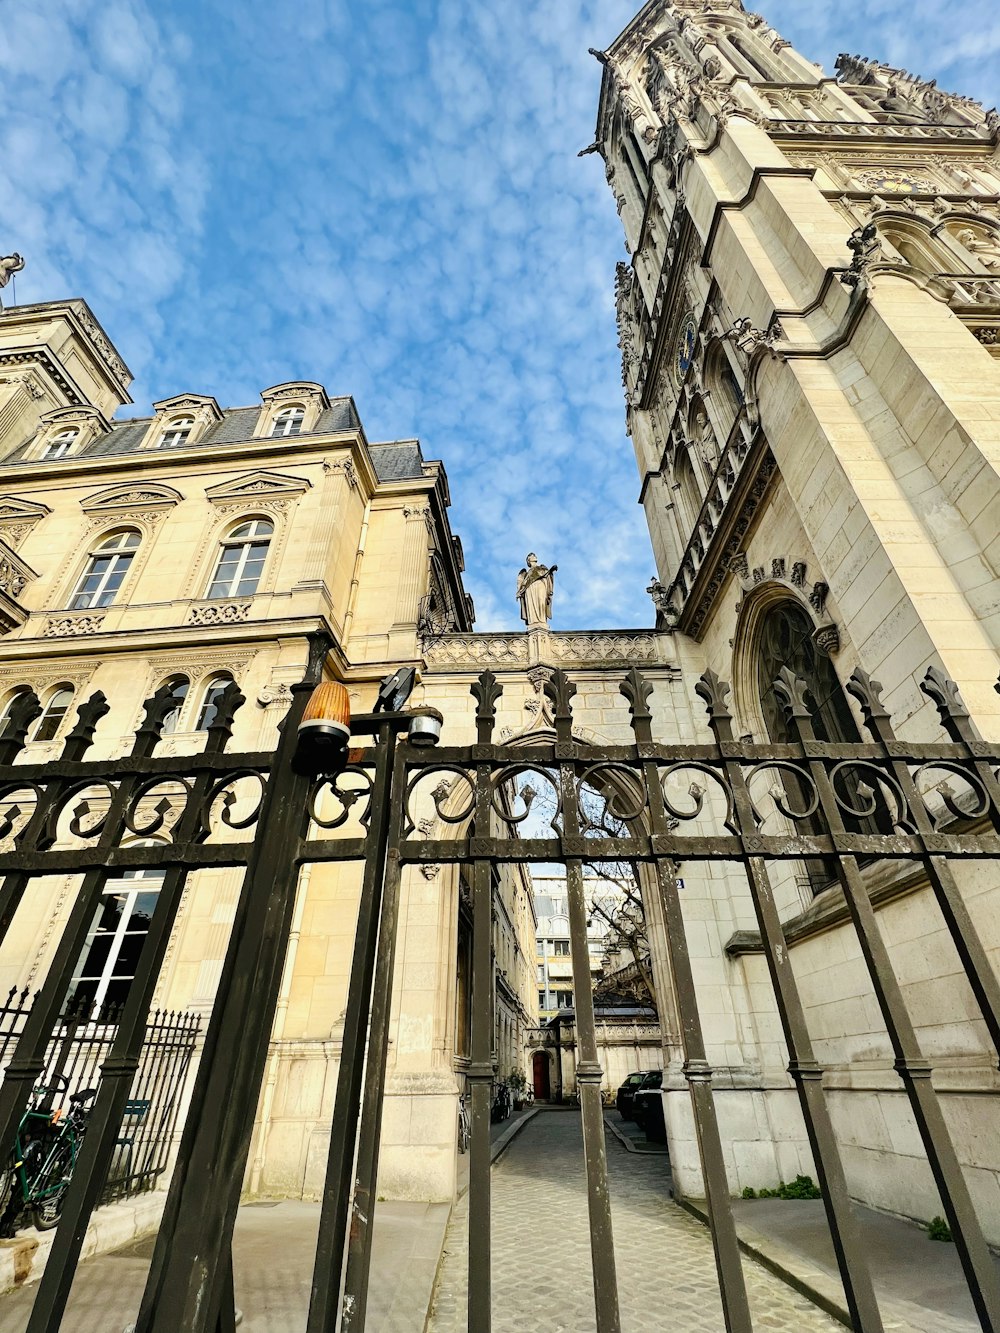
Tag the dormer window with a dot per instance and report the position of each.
(176, 432)
(288, 421)
(60, 445)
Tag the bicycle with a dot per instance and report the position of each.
(464, 1124)
(37, 1174)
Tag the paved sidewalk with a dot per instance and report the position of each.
(541, 1248)
(273, 1255)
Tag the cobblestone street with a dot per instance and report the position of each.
(541, 1248)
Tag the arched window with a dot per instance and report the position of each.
(176, 433)
(56, 708)
(687, 492)
(60, 445)
(210, 701)
(786, 641)
(11, 700)
(178, 692)
(114, 942)
(288, 421)
(107, 565)
(241, 560)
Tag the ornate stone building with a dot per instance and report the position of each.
(201, 545)
(809, 322)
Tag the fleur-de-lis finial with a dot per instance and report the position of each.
(715, 691)
(81, 738)
(791, 692)
(868, 693)
(637, 690)
(943, 692)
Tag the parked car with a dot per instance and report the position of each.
(626, 1092)
(647, 1106)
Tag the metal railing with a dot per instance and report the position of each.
(398, 804)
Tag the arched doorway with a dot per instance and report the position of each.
(540, 1075)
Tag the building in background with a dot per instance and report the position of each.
(810, 324)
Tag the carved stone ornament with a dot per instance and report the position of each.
(660, 596)
(346, 466)
(989, 335)
(11, 580)
(220, 613)
(278, 692)
(827, 639)
(61, 627)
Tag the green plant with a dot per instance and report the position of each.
(938, 1229)
(517, 1080)
(802, 1187)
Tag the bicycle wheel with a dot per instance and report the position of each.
(48, 1189)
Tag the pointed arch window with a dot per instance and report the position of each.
(241, 560)
(56, 707)
(60, 445)
(208, 711)
(107, 564)
(176, 433)
(288, 421)
(786, 641)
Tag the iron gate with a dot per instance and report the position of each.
(197, 805)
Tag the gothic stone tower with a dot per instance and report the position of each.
(809, 324)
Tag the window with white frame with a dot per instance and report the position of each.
(178, 693)
(60, 445)
(209, 709)
(176, 433)
(107, 564)
(241, 560)
(110, 955)
(288, 421)
(56, 707)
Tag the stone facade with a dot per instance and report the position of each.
(357, 538)
(808, 323)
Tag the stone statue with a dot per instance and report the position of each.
(985, 248)
(534, 592)
(9, 265)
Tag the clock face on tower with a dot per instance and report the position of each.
(684, 349)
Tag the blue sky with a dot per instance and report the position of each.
(385, 197)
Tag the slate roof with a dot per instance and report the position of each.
(392, 462)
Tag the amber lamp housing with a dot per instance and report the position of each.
(325, 729)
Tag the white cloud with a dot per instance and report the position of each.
(386, 198)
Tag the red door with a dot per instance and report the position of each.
(540, 1075)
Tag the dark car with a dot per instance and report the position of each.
(626, 1092)
(647, 1106)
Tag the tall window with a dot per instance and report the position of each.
(60, 444)
(176, 432)
(241, 560)
(786, 641)
(178, 693)
(55, 710)
(288, 421)
(107, 565)
(114, 942)
(210, 701)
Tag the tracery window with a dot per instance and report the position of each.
(288, 421)
(107, 565)
(241, 560)
(56, 708)
(786, 641)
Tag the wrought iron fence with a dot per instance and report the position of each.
(80, 1042)
(399, 804)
